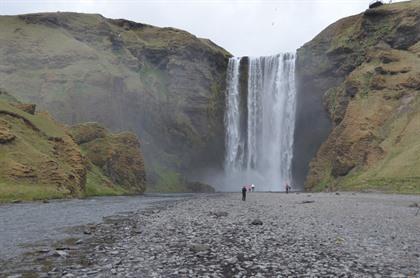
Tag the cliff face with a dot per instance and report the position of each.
(163, 84)
(365, 70)
(39, 159)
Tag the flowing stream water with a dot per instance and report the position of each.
(260, 121)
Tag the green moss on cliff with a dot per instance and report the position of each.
(370, 85)
(14, 192)
(98, 184)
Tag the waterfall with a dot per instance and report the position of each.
(260, 124)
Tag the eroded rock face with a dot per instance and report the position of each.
(365, 71)
(163, 84)
(6, 135)
(117, 155)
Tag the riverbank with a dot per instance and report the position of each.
(37, 223)
(318, 235)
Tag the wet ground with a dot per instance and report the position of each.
(218, 235)
(25, 224)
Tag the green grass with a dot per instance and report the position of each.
(10, 192)
(98, 185)
(406, 185)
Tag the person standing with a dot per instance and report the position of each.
(244, 193)
(252, 187)
(287, 188)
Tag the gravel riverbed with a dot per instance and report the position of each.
(268, 235)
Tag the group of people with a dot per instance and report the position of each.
(251, 187)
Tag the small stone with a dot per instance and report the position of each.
(87, 232)
(256, 222)
(199, 247)
(219, 214)
(43, 250)
(61, 253)
(232, 260)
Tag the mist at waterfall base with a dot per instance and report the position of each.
(259, 122)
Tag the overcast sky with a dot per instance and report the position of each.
(243, 27)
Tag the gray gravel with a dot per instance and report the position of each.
(334, 235)
(26, 223)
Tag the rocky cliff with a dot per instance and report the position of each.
(39, 159)
(363, 72)
(163, 84)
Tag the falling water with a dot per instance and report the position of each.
(260, 151)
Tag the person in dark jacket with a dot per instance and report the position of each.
(243, 193)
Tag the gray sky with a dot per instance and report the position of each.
(243, 27)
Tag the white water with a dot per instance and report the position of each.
(260, 151)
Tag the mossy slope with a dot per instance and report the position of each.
(40, 160)
(367, 67)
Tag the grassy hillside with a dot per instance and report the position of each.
(40, 160)
(368, 70)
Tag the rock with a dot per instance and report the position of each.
(218, 214)
(199, 247)
(118, 155)
(87, 231)
(233, 260)
(256, 222)
(199, 187)
(6, 136)
(61, 253)
(28, 108)
(307, 202)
